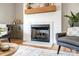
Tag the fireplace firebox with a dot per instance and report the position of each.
(40, 33)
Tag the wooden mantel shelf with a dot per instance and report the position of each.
(50, 8)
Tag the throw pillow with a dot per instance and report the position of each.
(73, 31)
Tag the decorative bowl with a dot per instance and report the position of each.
(4, 47)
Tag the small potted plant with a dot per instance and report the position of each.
(73, 18)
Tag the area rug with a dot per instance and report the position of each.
(32, 51)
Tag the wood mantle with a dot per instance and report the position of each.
(50, 8)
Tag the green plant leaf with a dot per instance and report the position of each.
(77, 15)
(68, 16)
(73, 18)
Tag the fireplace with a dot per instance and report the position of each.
(40, 33)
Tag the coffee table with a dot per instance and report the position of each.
(12, 50)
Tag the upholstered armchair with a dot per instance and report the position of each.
(6, 35)
(71, 42)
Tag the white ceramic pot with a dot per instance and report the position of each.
(36, 5)
(43, 4)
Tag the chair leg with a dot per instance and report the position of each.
(58, 49)
(9, 39)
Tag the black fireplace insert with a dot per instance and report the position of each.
(40, 33)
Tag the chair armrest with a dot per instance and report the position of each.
(58, 35)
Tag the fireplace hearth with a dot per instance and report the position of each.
(40, 33)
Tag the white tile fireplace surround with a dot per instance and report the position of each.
(51, 18)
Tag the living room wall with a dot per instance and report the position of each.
(66, 8)
(10, 11)
(19, 11)
(7, 13)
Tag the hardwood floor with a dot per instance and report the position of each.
(17, 41)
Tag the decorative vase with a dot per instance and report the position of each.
(4, 47)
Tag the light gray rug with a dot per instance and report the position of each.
(31, 51)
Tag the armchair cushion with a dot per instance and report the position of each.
(3, 30)
(73, 40)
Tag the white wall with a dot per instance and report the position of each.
(7, 13)
(52, 18)
(74, 7)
